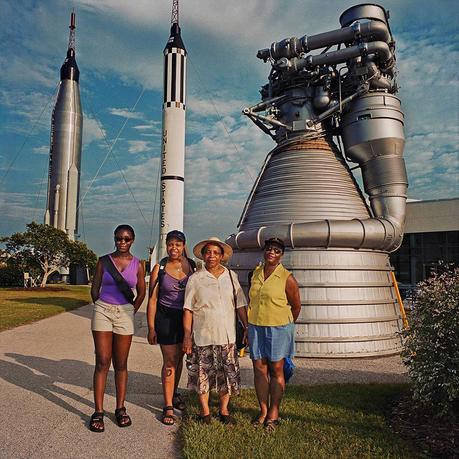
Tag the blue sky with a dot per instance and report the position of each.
(119, 53)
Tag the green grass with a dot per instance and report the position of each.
(328, 421)
(22, 306)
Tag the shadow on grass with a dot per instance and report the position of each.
(62, 301)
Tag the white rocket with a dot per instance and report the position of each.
(65, 147)
(173, 139)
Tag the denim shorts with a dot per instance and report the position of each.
(117, 318)
(271, 343)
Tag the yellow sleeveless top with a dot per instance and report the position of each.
(268, 305)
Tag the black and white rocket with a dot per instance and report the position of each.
(65, 147)
(173, 139)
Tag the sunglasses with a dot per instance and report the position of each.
(125, 239)
(276, 250)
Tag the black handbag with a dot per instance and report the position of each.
(118, 278)
(239, 327)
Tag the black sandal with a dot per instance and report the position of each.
(226, 419)
(206, 419)
(178, 402)
(168, 419)
(271, 425)
(258, 421)
(122, 418)
(96, 423)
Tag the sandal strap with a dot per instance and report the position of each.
(97, 416)
(120, 411)
(272, 421)
(168, 408)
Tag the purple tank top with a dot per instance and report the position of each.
(109, 291)
(172, 291)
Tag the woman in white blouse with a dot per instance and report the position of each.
(209, 328)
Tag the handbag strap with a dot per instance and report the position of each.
(234, 289)
(162, 272)
(121, 282)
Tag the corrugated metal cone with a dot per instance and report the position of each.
(348, 303)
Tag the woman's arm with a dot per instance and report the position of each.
(140, 287)
(151, 306)
(97, 281)
(293, 296)
(187, 331)
(242, 315)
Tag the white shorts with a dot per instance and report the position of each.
(116, 318)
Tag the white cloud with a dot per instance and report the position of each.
(216, 107)
(43, 150)
(138, 146)
(152, 129)
(92, 130)
(125, 113)
(19, 69)
(150, 126)
(19, 208)
(33, 106)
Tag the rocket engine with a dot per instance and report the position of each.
(306, 194)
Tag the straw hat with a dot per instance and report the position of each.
(227, 250)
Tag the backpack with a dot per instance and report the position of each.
(162, 272)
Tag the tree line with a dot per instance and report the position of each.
(41, 250)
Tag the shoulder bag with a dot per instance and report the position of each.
(118, 278)
(239, 327)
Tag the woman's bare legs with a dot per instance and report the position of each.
(204, 404)
(262, 386)
(276, 388)
(171, 371)
(121, 347)
(179, 367)
(103, 349)
(224, 398)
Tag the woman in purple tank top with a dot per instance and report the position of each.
(164, 314)
(113, 323)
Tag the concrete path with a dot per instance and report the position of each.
(46, 397)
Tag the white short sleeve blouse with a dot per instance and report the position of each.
(210, 299)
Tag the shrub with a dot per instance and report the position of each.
(431, 344)
(11, 276)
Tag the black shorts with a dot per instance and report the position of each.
(169, 325)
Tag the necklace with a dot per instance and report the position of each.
(177, 268)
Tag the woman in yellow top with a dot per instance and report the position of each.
(274, 306)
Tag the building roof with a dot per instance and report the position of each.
(432, 216)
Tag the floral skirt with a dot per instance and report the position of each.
(214, 367)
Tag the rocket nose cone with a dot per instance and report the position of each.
(175, 38)
(69, 69)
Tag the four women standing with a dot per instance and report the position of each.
(195, 314)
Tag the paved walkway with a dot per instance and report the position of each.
(46, 398)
